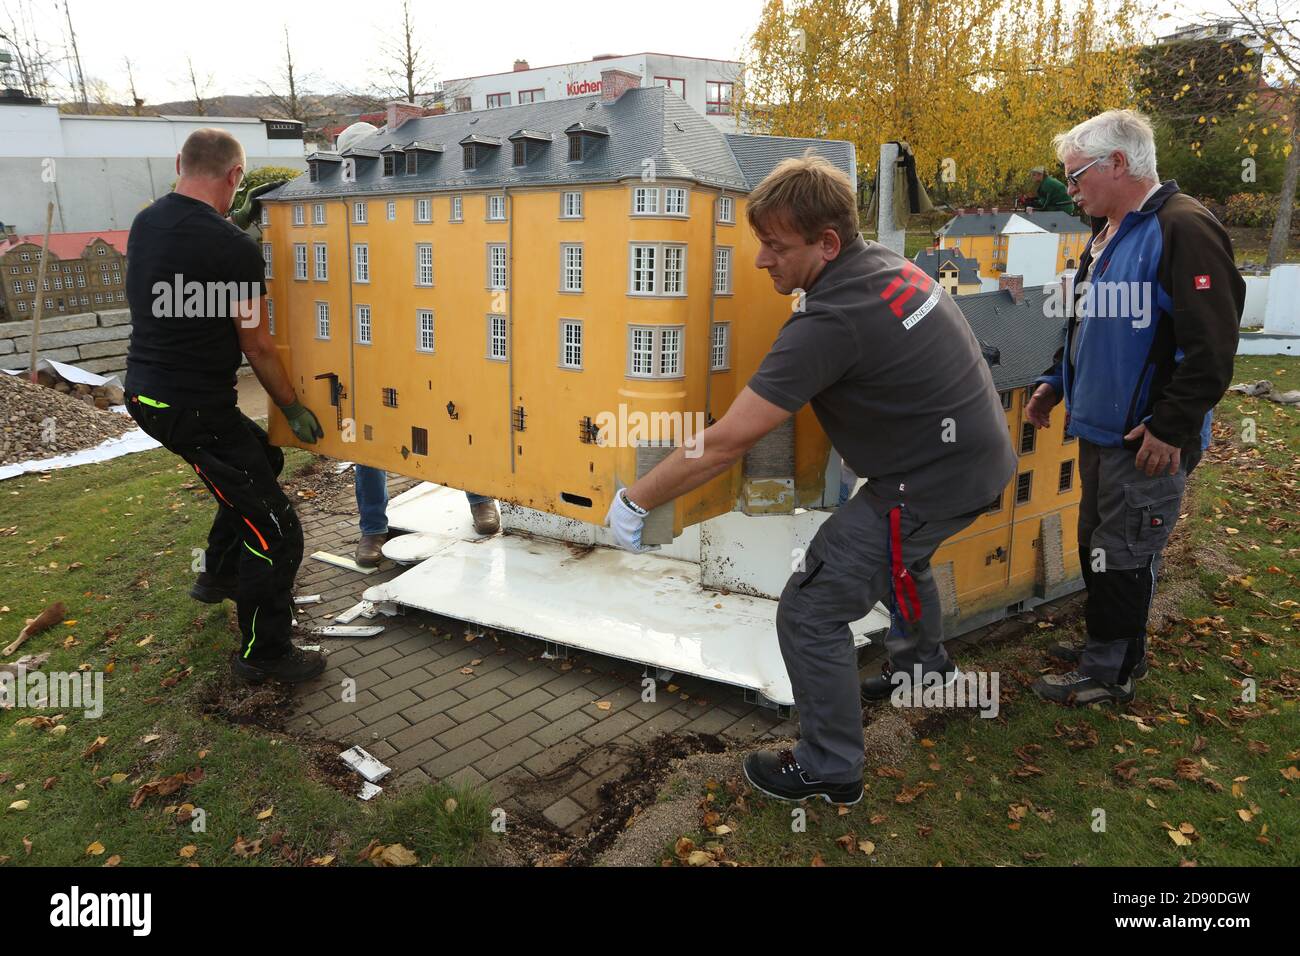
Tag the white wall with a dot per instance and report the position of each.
(1033, 256)
(583, 79)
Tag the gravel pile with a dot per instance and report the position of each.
(38, 422)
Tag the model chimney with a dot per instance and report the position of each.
(1015, 285)
(399, 113)
(521, 65)
(614, 83)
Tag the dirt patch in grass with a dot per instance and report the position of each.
(267, 707)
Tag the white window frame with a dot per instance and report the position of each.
(657, 355)
(572, 262)
(727, 210)
(495, 321)
(680, 193)
(360, 212)
(391, 211)
(457, 209)
(496, 208)
(672, 277)
(300, 261)
(424, 210)
(493, 269)
(571, 344)
(421, 266)
(323, 321)
(365, 325)
(571, 204)
(643, 277)
(321, 261)
(318, 214)
(645, 200)
(361, 262)
(265, 219)
(722, 258)
(270, 315)
(299, 214)
(420, 330)
(720, 347)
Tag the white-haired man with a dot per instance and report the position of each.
(1148, 353)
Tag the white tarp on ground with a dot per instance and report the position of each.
(133, 441)
(69, 373)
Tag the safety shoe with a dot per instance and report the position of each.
(779, 775)
(370, 549)
(1070, 652)
(292, 667)
(487, 519)
(1076, 690)
(211, 589)
(876, 689)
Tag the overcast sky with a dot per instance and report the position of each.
(238, 42)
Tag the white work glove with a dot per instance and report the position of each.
(626, 520)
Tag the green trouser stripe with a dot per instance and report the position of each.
(153, 403)
(259, 554)
(253, 628)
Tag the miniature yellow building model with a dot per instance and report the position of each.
(985, 236)
(498, 300)
(535, 302)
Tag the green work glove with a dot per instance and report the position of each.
(252, 204)
(304, 424)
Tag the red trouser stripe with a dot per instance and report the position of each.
(218, 493)
(904, 586)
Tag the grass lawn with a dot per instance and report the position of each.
(1189, 757)
(113, 542)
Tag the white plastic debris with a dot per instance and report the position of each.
(369, 790)
(343, 630)
(341, 562)
(307, 599)
(365, 764)
(354, 612)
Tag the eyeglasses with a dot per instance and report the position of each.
(1073, 178)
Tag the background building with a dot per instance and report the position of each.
(1037, 246)
(956, 273)
(85, 270)
(99, 171)
(707, 85)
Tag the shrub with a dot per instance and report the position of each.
(1250, 209)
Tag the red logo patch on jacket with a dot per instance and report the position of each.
(1202, 282)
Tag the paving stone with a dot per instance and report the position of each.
(468, 731)
(518, 706)
(563, 812)
(474, 706)
(388, 705)
(453, 760)
(588, 794)
(504, 759)
(664, 722)
(609, 728)
(555, 757)
(416, 755)
(566, 726)
(424, 729)
(565, 704)
(521, 726)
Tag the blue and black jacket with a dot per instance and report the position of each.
(1156, 317)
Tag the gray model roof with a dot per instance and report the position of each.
(1026, 337)
(645, 123)
(974, 224)
(930, 261)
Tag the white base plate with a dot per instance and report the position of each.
(637, 607)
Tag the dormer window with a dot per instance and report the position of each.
(313, 172)
(389, 164)
(412, 163)
(527, 143)
(473, 147)
(521, 153)
(583, 138)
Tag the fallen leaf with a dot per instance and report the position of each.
(95, 849)
(396, 855)
(266, 814)
(188, 851)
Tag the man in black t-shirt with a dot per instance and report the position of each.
(195, 285)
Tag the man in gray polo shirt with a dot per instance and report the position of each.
(898, 382)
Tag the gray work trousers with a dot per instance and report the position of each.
(846, 571)
(1125, 519)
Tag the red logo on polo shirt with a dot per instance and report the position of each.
(1202, 282)
(910, 280)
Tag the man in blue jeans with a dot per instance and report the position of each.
(372, 505)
